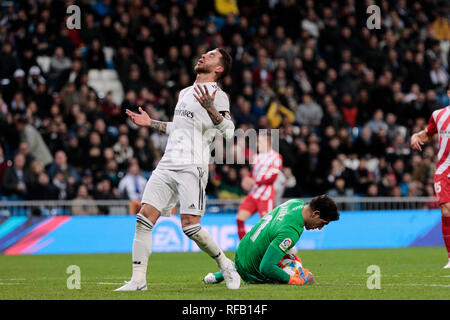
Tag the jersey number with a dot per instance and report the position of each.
(266, 219)
(437, 187)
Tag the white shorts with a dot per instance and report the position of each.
(166, 187)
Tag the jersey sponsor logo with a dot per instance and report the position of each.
(184, 113)
(285, 244)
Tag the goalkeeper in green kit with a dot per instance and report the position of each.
(261, 250)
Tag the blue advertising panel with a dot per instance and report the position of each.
(108, 234)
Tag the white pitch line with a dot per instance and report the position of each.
(396, 276)
(109, 283)
(15, 279)
(422, 285)
(387, 284)
(9, 284)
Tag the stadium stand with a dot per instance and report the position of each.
(345, 98)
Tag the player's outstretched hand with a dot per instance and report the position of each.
(202, 96)
(416, 142)
(141, 119)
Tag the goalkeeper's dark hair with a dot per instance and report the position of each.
(326, 206)
(225, 61)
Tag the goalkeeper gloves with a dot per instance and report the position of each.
(296, 280)
(305, 277)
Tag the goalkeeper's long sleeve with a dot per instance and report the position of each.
(269, 265)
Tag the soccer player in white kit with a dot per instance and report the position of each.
(182, 173)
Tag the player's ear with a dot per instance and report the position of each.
(220, 68)
(316, 213)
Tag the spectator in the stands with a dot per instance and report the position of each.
(277, 113)
(95, 58)
(60, 165)
(132, 184)
(14, 179)
(308, 112)
(81, 205)
(58, 64)
(25, 151)
(35, 78)
(377, 123)
(42, 189)
(281, 53)
(33, 138)
(105, 191)
(123, 150)
(33, 170)
(3, 163)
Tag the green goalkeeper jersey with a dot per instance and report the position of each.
(281, 228)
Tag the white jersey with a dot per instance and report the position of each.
(192, 130)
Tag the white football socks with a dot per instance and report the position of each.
(205, 242)
(142, 248)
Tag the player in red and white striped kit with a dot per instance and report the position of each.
(439, 123)
(267, 165)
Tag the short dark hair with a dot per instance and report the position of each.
(225, 61)
(326, 206)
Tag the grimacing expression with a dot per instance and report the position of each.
(208, 62)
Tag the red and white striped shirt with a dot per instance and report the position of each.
(265, 170)
(440, 123)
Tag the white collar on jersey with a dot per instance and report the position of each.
(200, 83)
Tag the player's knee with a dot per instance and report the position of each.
(189, 220)
(445, 209)
(191, 230)
(243, 215)
(150, 212)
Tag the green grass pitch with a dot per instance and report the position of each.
(411, 273)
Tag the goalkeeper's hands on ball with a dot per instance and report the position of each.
(307, 278)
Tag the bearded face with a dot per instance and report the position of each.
(208, 62)
(203, 66)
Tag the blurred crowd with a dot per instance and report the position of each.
(345, 98)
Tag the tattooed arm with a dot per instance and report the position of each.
(221, 120)
(215, 115)
(143, 119)
(161, 126)
(207, 102)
